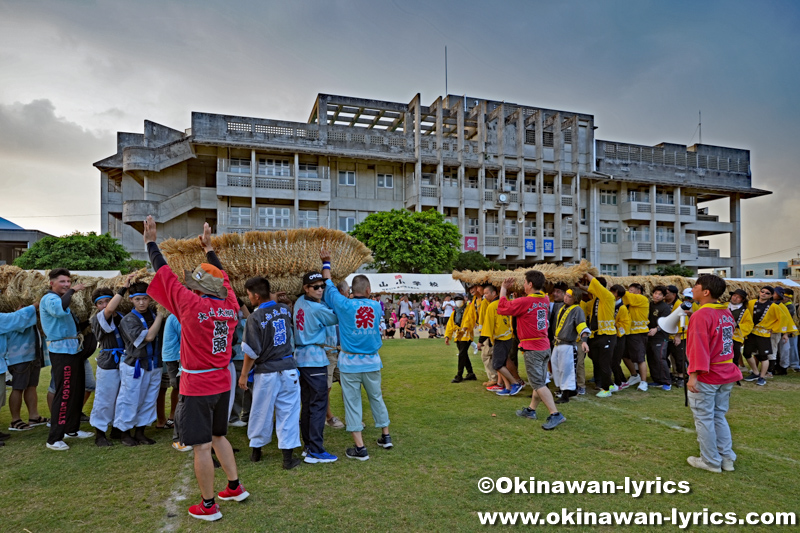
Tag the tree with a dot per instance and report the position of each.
(79, 251)
(475, 261)
(675, 270)
(402, 241)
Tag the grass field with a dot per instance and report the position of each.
(447, 437)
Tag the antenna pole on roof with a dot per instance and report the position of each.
(445, 70)
(700, 125)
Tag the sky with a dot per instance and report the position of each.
(74, 72)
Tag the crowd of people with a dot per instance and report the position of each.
(407, 318)
(269, 367)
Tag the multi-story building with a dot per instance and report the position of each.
(523, 184)
(775, 270)
(15, 240)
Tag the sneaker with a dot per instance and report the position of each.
(474, 348)
(653, 384)
(604, 394)
(516, 388)
(613, 388)
(642, 386)
(727, 465)
(457, 379)
(634, 380)
(679, 383)
(761, 382)
(564, 399)
(59, 446)
(527, 412)
(208, 514)
(504, 392)
(237, 495)
(355, 453)
(181, 447)
(666, 387)
(237, 424)
(751, 377)
(385, 441)
(79, 435)
(769, 375)
(334, 423)
(699, 462)
(495, 388)
(553, 421)
(324, 457)
(581, 391)
(472, 377)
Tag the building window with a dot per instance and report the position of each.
(583, 215)
(239, 216)
(785, 272)
(608, 235)
(472, 226)
(768, 272)
(664, 234)
(274, 167)
(240, 166)
(347, 223)
(608, 197)
(748, 273)
(385, 181)
(347, 178)
(307, 170)
(608, 270)
(633, 270)
(307, 219)
(511, 228)
(583, 253)
(530, 228)
(274, 217)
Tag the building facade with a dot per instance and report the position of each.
(523, 184)
(774, 270)
(15, 240)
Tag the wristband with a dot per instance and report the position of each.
(122, 291)
(326, 265)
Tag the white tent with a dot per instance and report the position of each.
(412, 283)
(765, 281)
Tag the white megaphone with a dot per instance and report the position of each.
(670, 323)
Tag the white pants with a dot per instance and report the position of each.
(105, 398)
(234, 384)
(563, 362)
(136, 401)
(775, 340)
(275, 394)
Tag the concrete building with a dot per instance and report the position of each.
(15, 240)
(523, 184)
(774, 270)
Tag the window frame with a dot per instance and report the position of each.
(347, 174)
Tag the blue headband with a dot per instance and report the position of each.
(103, 297)
(138, 294)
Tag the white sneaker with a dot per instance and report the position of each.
(699, 462)
(727, 465)
(613, 388)
(180, 447)
(79, 435)
(237, 424)
(334, 422)
(633, 380)
(643, 386)
(59, 446)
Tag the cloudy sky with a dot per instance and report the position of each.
(75, 72)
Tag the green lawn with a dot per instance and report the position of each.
(447, 436)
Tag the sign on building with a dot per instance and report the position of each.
(530, 246)
(549, 246)
(470, 244)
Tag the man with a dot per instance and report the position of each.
(639, 308)
(532, 324)
(600, 313)
(447, 309)
(657, 358)
(332, 347)
(570, 331)
(460, 330)
(311, 320)
(622, 322)
(359, 361)
(711, 375)
(66, 357)
(677, 346)
(794, 357)
(24, 356)
(496, 329)
(556, 297)
(743, 324)
(171, 356)
(783, 351)
(767, 320)
(208, 320)
(19, 320)
(105, 325)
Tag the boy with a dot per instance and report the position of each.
(359, 361)
(267, 346)
(105, 325)
(600, 311)
(25, 358)
(19, 320)
(459, 328)
(496, 330)
(140, 369)
(658, 340)
(711, 374)
(570, 331)
(639, 307)
(311, 318)
(622, 321)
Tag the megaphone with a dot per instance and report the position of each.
(521, 219)
(671, 323)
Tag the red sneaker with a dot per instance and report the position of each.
(208, 514)
(236, 495)
(495, 388)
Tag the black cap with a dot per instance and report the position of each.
(312, 277)
(740, 292)
(560, 286)
(458, 297)
(779, 291)
(788, 292)
(673, 289)
(768, 288)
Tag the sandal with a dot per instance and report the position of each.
(18, 425)
(33, 422)
(170, 424)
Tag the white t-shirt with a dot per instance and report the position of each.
(405, 307)
(448, 307)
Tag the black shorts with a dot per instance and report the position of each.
(500, 353)
(760, 347)
(636, 346)
(203, 417)
(172, 374)
(24, 375)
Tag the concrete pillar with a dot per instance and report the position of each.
(417, 181)
(593, 222)
(678, 236)
(439, 154)
(653, 224)
(296, 172)
(735, 236)
(481, 119)
(253, 170)
(462, 219)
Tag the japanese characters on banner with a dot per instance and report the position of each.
(412, 283)
(471, 243)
